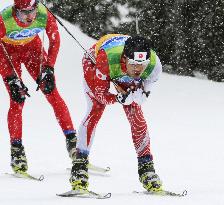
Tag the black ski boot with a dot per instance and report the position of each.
(18, 158)
(71, 140)
(79, 173)
(147, 176)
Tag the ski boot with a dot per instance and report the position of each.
(79, 173)
(18, 159)
(71, 140)
(147, 176)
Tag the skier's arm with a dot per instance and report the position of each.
(102, 80)
(54, 39)
(154, 76)
(2, 28)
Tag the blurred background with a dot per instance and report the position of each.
(186, 34)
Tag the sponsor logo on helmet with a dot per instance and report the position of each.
(140, 56)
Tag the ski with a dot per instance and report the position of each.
(85, 194)
(25, 175)
(95, 168)
(98, 169)
(162, 193)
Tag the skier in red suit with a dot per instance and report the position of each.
(20, 43)
(132, 66)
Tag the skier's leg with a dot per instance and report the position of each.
(88, 125)
(18, 157)
(61, 111)
(64, 119)
(140, 135)
(94, 108)
(141, 140)
(16, 106)
(79, 173)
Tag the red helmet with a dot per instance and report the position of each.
(25, 4)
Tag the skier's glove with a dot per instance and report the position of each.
(18, 90)
(46, 79)
(125, 98)
(140, 96)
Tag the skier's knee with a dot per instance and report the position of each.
(46, 80)
(48, 85)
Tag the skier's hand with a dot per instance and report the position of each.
(140, 96)
(18, 90)
(125, 98)
(46, 79)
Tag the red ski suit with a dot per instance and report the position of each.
(30, 55)
(97, 84)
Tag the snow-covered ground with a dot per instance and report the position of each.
(185, 117)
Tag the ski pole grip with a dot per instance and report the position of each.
(27, 94)
(38, 87)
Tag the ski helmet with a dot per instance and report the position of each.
(137, 46)
(25, 4)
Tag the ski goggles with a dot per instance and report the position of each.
(136, 62)
(27, 12)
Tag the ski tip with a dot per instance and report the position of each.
(41, 178)
(25, 175)
(163, 193)
(184, 193)
(62, 195)
(108, 195)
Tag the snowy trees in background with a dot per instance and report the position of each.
(188, 35)
(208, 38)
(92, 16)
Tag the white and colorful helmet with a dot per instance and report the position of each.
(137, 48)
(25, 4)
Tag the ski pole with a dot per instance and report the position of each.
(41, 61)
(42, 56)
(60, 22)
(136, 24)
(25, 89)
(119, 88)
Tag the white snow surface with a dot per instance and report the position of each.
(185, 118)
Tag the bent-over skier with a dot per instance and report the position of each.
(132, 66)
